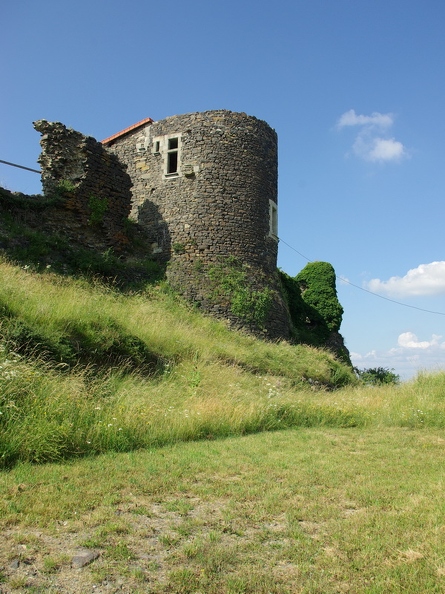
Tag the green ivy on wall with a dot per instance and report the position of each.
(230, 283)
(98, 208)
(318, 291)
(312, 300)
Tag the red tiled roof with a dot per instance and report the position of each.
(129, 129)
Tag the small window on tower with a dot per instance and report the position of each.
(172, 155)
(273, 219)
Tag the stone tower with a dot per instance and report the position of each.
(205, 189)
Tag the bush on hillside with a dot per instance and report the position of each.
(378, 376)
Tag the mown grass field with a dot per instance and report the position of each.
(194, 459)
(301, 510)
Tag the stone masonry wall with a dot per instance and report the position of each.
(216, 204)
(100, 199)
(219, 201)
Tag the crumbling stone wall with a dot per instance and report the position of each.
(214, 202)
(93, 183)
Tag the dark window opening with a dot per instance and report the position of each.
(172, 162)
(172, 155)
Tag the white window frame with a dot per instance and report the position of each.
(273, 220)
(160, 146)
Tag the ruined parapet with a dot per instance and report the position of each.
(95, 186)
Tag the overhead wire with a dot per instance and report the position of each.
(344, 280)
(20, 166)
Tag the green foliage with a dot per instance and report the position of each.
(378, 375)
(38, 250)
(232, 283)
(98, 207)
(198, 265)
(16, 200)
(317, 284)
(301, 313)
(178, 248)
(313, 306)
(65, 186)
(309, 327)
(252, 306)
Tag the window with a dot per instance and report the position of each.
(172, 155)
(273, 219)
(168, 147)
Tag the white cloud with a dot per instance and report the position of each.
(426, 279)
(350, 118)
(408, 340)
(386, 150)
(410, 356)
(369, 143)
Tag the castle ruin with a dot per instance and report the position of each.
(205, 189)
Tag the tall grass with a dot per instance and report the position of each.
(84, 369)
(62, 312)
(46, 415)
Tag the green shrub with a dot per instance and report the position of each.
(178, 248)
(65, 186)
(378, 375)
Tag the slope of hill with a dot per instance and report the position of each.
(86, 368)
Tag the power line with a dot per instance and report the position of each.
(20, 166)
(292, 248)
(344, 280)
(437, 313)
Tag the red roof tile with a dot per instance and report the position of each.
(129, 129)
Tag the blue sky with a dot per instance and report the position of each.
(354, 89)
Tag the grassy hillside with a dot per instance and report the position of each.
(86, 368)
